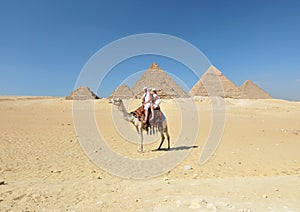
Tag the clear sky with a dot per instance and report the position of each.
(44, 44)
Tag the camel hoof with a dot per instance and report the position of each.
(155, 150)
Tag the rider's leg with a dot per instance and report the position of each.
(152, 112)
(146, 116)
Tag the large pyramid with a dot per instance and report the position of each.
(253, 91)
(123, 92)
(211, 79)
(82, 93)
(155, 77)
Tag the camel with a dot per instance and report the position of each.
(140, 125)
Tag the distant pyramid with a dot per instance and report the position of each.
(211, 78)
(155, 77)
(123, 92)
(253, 91)
(82, 93)
(198, 89)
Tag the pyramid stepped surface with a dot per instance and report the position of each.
(211, 79)
(123, 92)
(155, 77)
(253, 91)
(82, 93)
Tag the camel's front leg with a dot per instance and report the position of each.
(141, 140)
(140, 133)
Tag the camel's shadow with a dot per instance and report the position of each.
(178, 148)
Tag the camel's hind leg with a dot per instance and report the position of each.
(162, 139)
(164, 129)
(168, 136)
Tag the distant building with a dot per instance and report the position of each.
(82, 93)
(214, 83)
(253, 91)
(123, 92)
(157, 78)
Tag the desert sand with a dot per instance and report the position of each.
(256, 166)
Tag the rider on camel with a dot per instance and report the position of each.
(155, 102)
(146, 100)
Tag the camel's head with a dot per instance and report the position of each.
(119, 103)
(116, 101)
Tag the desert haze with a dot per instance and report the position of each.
(256, 166)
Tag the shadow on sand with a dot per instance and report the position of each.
(176, 148)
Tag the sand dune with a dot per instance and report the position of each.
(256, 165)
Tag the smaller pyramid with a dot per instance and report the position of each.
(253, 91)
(198, 89)
(155, 77)
(211, 79)
(82, 93)
(123, 92)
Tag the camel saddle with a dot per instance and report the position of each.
(140, 112)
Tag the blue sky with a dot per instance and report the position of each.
(44, 44)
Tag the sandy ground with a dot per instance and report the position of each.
(255, 168)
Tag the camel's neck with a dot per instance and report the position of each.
(122, 108)
(127, 116)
